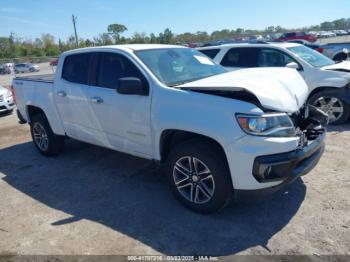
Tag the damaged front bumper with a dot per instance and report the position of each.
(288, 166)
(284, 168)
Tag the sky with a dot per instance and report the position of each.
(30, 18)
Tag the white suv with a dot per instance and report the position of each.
(328, 82)
(6, 100)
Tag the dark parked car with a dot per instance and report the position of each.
(5, 70)
(297, 35)
(54, 62)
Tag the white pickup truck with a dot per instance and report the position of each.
(220, 134)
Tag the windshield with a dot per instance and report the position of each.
(311, 56)
(174, 66)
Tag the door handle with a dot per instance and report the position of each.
(97, 100)
(61, 93)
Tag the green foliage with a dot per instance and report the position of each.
(13, 46)
(115, 30)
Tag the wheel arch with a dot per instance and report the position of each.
(51, 116)
(32, 110)
(170, 137)
(343, 94)
(323, 88)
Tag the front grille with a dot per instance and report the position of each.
(2, 107)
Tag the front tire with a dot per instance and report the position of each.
(333, 105)
(47, 143)
(199, 176)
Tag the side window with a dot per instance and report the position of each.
(210, 52)
(300, 34)
(76, 68)
(269, 57)
(114, 66)
(241, 57)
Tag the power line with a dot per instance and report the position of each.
(74, 20)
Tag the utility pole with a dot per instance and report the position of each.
(74, 20)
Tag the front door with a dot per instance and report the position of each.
(122, 122)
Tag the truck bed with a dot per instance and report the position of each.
(35, 90)
(48, 78)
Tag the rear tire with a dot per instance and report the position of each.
(199, 176)
(47, 143)
(333, 105)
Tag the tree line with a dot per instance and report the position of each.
(14, 46)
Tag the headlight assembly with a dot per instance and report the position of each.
(269, 125)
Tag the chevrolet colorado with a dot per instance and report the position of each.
(221, 135)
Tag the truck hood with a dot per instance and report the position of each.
(343, 66)
(279, 89)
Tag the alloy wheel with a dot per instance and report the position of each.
(194, 180)
(40, 136)
(332, 106)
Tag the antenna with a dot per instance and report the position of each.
(74, 20)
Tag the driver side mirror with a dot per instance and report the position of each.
(131, 86)
(293, 65)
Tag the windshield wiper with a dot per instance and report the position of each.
(189, 81)
(177, 84)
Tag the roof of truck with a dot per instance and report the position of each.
(128, 48)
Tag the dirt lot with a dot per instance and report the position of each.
(91, 200)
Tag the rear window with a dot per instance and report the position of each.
(210, 52)
(241, 57)
(76, 68)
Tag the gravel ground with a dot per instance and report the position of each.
(91, 200)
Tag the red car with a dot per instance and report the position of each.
(297, 35)
(54, 62)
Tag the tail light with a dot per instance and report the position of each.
(13, 93)
(320, 49)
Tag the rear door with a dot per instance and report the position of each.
(240, 57)
(121, 121)
(72, 96)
